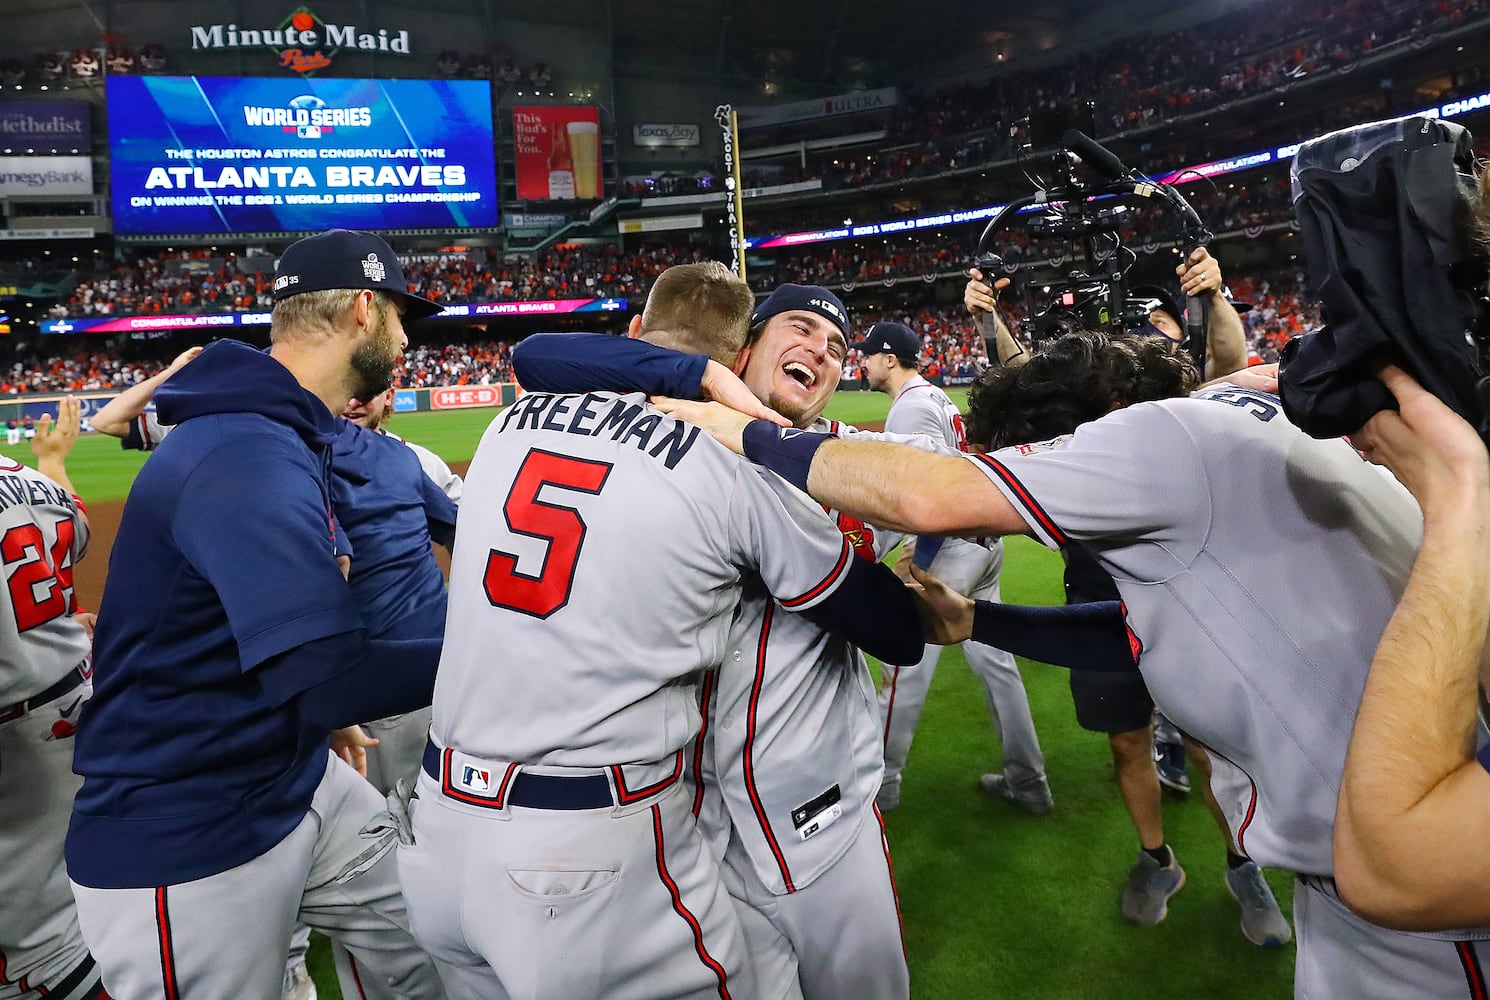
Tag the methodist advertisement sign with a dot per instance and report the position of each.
(44, 127)
(242, 155)
(45, 175)
(557, 152)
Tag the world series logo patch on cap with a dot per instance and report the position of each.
(374, 269)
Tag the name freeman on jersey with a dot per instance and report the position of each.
(593, 415)
(16, 490)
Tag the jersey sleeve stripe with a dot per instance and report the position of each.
(1024, 498)
(749, 752)
(828, 582)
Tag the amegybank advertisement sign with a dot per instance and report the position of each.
(241, 155)
(45, 175)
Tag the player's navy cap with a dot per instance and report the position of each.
(1167, 301)
(345, 258)
(890, 338)
(812, 298)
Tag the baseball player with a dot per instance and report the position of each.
(129, 415)
(389, 509)
(1258, 650)
(891, 353)
(211, 814)
(1118, 705)
(44, 680)
(375, 414)
(573, 740)
(789, 806)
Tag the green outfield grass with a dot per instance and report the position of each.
(996, 903)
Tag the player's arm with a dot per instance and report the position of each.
(810, 568)
(1413, 819)
(54, 441)
(116, 416)
(596, 362)
(439, 511)
(305, 642)
(1226, 339)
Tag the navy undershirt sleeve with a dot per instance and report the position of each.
(591, 362)
(872, 609)
(346, 679)
(1091, 636)
(1484, 756)
(784, 450)
(439, 511)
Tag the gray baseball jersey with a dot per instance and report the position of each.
(434, 467)
(1259, 567)
(41, 538)
(43, 685)
(973, 570)
(581, 618)
(554, 652)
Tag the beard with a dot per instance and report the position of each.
(373, 361)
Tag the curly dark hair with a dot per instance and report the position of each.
(1076, 378)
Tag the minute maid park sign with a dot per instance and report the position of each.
(303, 42)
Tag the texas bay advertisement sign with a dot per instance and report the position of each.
(651, 134)
(303, 42)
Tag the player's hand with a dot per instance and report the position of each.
(724, 386)
(350, 744)
(906, 559)
(1431, 450)
(182, 359)
(88, 620)
(1201, 274)
(344, 563)
(1259, 378)
(54, 439)
(723, 424)
(976, 295)
(946, 616)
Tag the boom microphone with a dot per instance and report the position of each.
(1095, 155)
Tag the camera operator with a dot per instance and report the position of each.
(1200, 276)
(1119, 706)
(1414, 810)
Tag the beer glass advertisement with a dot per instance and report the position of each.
(558, 153)
(245, 155)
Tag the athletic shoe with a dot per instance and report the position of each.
(1145, 901)
(1262, 922)
(888, 797)
(298, 984)
(1169, 762)
(1033, 797)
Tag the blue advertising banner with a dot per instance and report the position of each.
(244, 155)
(45, 127)
(405, 401)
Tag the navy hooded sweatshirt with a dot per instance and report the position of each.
(223, 570)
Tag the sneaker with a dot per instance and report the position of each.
(1145, 901)
(888, 797)
(1262, 922)
(1169, 762)
(1033, 797)
(298, 985)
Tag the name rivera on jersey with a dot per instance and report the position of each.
(16, 490)
(624, 421)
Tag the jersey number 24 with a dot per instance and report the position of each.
(40, 582)
(560, 526)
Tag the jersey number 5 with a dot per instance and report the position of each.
(40, 583)
(560, 526)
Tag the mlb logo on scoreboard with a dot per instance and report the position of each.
(308, 131)
(475, 778)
